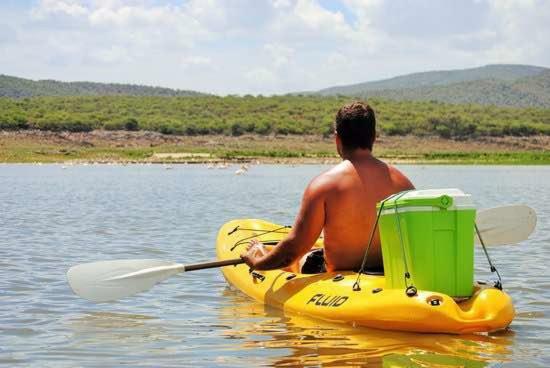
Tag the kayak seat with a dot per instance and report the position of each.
(374, 272)
(314, 262)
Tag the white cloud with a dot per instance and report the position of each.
(261, 75)
(45, 8)
(267, 46)
(261, 79)
(281, 4)
(522, 28)
(110, 55)
(7, 34)
(194, 61)
(308, 21)
(336, 59)
(126, 15)
(364, 9)
(211, 13)
(280, 55)
(316, 17)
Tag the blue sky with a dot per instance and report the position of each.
(264, 46)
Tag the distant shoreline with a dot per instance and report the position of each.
(100, 146)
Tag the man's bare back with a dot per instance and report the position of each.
(341, 201)
(352, 190)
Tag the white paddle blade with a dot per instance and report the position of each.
(505, 224)
(110, 280)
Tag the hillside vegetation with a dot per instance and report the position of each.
(441, 78)
(525, 92)
(235, 116)
(19, 87)
(503, 85)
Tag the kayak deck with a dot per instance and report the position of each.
(330, 296)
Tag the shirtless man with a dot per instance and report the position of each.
(341, 201)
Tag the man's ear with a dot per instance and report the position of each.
(338, 142)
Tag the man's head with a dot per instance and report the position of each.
(355, 127)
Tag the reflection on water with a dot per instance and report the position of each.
(308, 342)
(105, 327)
(428, 360)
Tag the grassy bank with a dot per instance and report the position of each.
(108, 146)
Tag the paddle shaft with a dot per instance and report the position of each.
(203, 266)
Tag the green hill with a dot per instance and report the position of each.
(503, 85)
(18, 87)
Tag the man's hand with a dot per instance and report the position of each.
(254, 251)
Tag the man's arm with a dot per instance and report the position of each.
(306, 230)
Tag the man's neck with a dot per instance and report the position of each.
(358, 155)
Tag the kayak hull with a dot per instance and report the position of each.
(330, 296)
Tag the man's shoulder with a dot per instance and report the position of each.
(340, 169)
(326, 180)
(399, 179)
(335, 173)
(394, 171)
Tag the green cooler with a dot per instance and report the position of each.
(430, 233)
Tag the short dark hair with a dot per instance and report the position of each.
(356, 125)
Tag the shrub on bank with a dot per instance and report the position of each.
(113, 125)
(13, 122)
(64, 126)
(131, 124)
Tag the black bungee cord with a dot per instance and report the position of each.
(410, 290)
(356, 285)
(498, 284)
(243, 240)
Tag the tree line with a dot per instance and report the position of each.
(291, 114)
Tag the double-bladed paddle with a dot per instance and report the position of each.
(111, 280)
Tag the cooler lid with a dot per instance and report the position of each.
(446, 199)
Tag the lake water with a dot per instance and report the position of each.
(52, 218)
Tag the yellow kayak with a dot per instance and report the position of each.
(330, 296)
